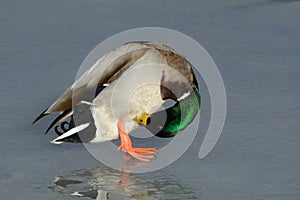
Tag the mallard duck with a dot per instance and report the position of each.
(128, 86)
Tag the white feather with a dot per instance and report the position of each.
(183, 96)
(70, 132)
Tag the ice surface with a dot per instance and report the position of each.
(255, 44)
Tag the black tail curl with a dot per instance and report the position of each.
(65, 127)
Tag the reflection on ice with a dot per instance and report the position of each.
(103, 183)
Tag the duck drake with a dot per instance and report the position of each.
(124, 89)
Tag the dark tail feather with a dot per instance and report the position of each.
(63, 128)
(43, 114)
(72, 138)
(57, 119)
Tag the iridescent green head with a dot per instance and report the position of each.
(169, 122)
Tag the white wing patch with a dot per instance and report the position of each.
(184, 96)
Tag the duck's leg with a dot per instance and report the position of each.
(126, 146)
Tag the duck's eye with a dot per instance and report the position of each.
(141, 120)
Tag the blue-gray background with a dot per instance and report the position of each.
(256, 45)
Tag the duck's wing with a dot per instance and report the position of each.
(105, 70)
(177, 83)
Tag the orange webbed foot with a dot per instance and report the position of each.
(137, 153)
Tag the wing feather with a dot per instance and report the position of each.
(111, 66)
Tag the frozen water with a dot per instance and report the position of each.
(256, 46)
